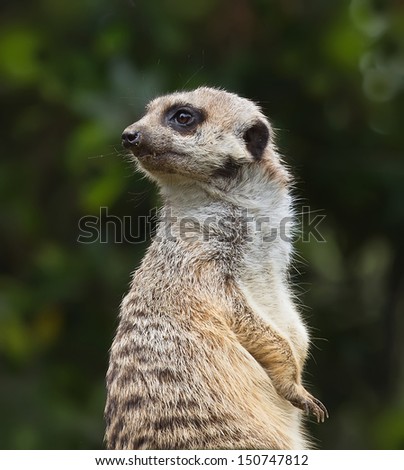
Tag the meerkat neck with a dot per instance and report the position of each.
(252, 190)
(254, 205)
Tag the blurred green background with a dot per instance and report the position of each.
(73, 75)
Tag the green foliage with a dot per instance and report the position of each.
(73, 75)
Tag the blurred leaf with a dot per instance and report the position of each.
(19, 49)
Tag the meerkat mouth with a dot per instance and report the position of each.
(142, 153)
(156, 162)
(146, 154)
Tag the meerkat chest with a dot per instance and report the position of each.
(262, 279)
(264, 264)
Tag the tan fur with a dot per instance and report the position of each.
(210, 347)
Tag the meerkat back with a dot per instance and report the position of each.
(210, 348)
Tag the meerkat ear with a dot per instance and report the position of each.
(256, 138)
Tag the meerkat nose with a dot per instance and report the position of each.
(131, 138)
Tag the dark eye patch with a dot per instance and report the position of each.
(183, 118)
(256, 138)
(228, 170)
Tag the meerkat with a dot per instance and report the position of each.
(210, 346)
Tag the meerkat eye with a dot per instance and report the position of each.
(183, 118)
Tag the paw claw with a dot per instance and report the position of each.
(302, 399)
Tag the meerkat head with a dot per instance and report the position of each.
(206, 136)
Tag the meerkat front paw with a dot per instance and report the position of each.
(299, 397)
